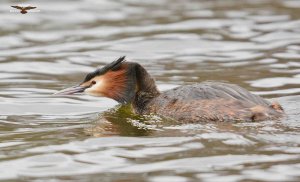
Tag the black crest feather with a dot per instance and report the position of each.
(113, 66)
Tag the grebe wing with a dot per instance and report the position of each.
(212, 101)
(214, 90)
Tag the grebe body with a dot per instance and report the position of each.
(130, 83)
(212, 101)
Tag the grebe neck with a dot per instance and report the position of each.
(145, 89)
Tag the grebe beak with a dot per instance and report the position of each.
(71, 90)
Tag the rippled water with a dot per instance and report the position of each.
(255, 44)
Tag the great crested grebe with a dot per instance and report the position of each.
(130, 83)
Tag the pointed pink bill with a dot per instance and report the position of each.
(71, 90)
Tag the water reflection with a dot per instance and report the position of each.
(121, 121)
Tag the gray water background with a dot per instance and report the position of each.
(253, 43)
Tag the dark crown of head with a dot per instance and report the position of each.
(115, 65)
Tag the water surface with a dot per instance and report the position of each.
(255, 44)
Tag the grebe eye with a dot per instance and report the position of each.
(93, 82)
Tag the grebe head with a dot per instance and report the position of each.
(118, 80)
